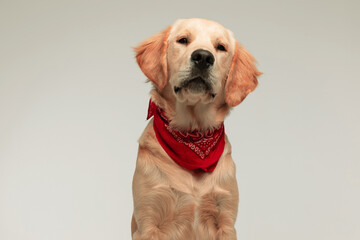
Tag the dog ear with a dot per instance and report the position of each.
(151, 57)
(242, 78)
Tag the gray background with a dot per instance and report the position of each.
(73, 104)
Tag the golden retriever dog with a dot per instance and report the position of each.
(184, 185)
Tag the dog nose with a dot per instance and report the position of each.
(203, 59)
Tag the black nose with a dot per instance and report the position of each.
(203, 59)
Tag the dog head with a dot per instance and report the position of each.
(200, 61)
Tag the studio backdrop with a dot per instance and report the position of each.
(73, 103)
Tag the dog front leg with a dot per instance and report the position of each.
(164, 214)
(217, 214)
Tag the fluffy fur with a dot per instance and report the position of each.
(170, 202)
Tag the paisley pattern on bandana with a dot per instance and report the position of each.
(199, 142)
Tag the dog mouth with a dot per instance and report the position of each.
(195, 85)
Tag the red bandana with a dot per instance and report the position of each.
(191, 150)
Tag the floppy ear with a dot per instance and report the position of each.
(151, 57)
(242, 78)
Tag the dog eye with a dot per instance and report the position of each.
(221, 47)
(183, 40)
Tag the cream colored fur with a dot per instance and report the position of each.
(170, 202)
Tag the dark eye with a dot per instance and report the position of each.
(221, 47)
(183, 40)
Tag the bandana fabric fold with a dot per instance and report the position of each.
(195, 150)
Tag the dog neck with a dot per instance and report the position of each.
(199, 116)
